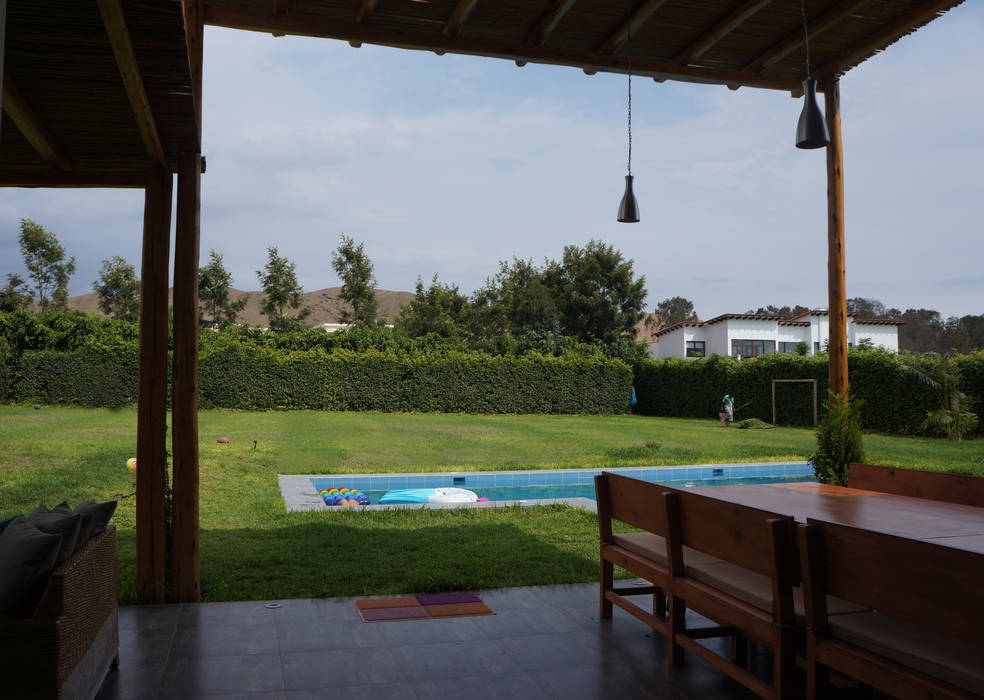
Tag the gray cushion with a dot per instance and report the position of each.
(915, 647)
(87, 528)
(27, 556)
(756, 589)
(101, 513)
(68, 525)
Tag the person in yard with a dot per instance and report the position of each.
(728, 406)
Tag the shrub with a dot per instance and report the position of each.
(839, 440)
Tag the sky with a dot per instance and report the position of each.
(448, 164)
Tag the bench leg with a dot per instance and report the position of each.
(784, 664)
(739, 651)
(678, 626)
(659, 604)
(607, 581)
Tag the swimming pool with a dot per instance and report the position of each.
(576, 486)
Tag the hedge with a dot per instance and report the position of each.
(245, 376)
(895, 401)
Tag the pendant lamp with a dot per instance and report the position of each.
(811, 130)
(628, 208)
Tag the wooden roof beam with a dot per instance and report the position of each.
(816, 26)
(713, 35)
(306, 25)
(126, 61)
(280, 7)
(889, 35)
(31, 126)
(366, 10)
(617, 39)
(75, 178)
(549, 21)
(458, 18)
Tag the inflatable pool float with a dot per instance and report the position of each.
(439, 495)
(343, 497)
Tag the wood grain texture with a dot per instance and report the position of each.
(31, 126)
(936, 486)
(836, 276)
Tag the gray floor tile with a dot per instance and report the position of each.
(225, 640)
(149, 617)
(598, 682)
(518, 622)
(242, 613)
(551, 650)
(195, 676)
(453, 659)
(328, 634)
(383, 691)
(320, 669)
(499, 687)
(272, 695)
(429, 631)
(316, 609)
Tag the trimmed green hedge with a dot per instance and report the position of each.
(91, 376)
(245, 376)
(894, 401)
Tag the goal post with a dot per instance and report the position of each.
(790, 381)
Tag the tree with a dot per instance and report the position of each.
(517, 300)
(118, 289)
(597, 294)
(867, 308)
(15, 294)
(355, 269)
(44, 258)
(214, 282)
(675, 310)
(942, 374)
(787, 311)
(922, 331)
(283, 292)
(439, 309)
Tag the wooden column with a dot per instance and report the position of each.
(184, 393)
(152, 396)
(836, 284)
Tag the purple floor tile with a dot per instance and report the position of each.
(448, 598)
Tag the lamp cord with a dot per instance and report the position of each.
(629, 56)
(806, 39)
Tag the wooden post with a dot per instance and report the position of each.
(3, 41)
(836, 291)
(152, 394)
(184, 402)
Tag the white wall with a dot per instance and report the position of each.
(883, 336)
(673, 344)
(749, 329)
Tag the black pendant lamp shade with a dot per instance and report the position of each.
(628, 208)
(811, 131)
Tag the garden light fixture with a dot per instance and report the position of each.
(811, 131)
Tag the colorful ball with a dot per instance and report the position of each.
(131, 464)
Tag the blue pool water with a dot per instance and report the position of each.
(527, 485)
(529, 493)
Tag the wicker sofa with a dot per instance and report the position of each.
(66, 649)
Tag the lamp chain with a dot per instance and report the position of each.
(806, 39)
(629, 56)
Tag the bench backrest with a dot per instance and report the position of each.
(729, 531)
(632, 501)
(931, 585)
(935, 486)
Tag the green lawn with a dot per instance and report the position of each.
(253, 549)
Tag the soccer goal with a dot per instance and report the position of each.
(794, 381)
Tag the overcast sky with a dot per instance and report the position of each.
(449, 164)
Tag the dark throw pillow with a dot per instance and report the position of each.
(27, 557)
(68, 525)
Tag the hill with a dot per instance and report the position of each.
(324, 303)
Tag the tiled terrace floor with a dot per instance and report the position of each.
(544, 642)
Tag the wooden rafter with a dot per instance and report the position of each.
(365, 12)
(225, 16)
(893, 32)
(720, 30)
(31, 126)
(194, 34)
(618, 38)
(126, 60)
(280, 7)
(816, 26)
(549, 21)
(458, 18)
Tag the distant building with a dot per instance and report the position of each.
(748, 335)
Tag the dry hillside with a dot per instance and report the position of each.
(324, 304)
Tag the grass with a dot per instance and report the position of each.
(253, 549)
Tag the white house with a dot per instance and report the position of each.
(748, 335)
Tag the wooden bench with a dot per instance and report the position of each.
(935, 486)
(923, 638)
(742, 579)
(639, 504)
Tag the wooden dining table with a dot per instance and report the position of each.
(948, 524)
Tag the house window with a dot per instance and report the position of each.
(752, 348)
(695, 348)
(788, 348)
(816, 347)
